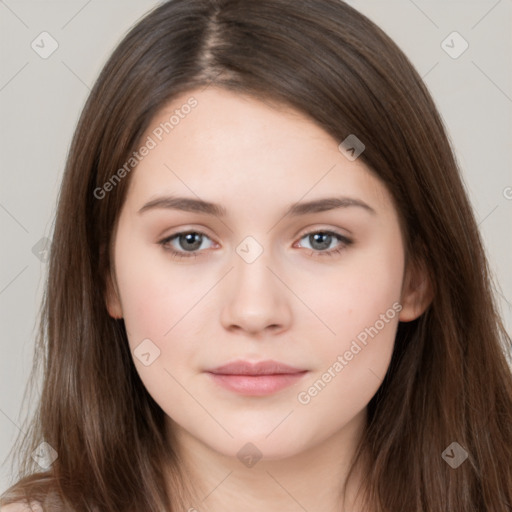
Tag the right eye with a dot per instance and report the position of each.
(184, 244)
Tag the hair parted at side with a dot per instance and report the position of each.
(448, 380)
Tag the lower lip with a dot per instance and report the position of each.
(257, 385)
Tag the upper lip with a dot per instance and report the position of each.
(259, 368)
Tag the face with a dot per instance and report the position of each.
(319, 288)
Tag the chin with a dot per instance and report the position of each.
(256, 445)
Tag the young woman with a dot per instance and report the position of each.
(267, 289)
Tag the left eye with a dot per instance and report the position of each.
(186, 244)
(321, 240)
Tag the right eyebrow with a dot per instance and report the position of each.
(186, 204)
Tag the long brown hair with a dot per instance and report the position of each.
(448, 381)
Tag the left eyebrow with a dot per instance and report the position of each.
(189, 204)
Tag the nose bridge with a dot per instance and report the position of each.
(256, 299)
(252, 275)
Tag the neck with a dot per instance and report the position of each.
(309, 480)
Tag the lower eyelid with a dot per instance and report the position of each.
(344, 241)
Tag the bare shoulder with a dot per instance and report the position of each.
(22, 507)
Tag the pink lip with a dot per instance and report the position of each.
(256, 379)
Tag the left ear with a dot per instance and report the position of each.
(417, 292)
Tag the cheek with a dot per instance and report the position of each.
(159, 303)
(158, 299)
(360, 304)
(149, 308)
(148, 287)
(350, 296)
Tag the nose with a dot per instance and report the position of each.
(256, 300)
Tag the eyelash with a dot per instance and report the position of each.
(345, 242)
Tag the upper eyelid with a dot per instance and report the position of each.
(167, 239)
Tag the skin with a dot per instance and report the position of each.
(291, 304)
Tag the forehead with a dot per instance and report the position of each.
(231, 147)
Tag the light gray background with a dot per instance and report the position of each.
(40, 101)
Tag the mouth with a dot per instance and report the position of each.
(256, 379)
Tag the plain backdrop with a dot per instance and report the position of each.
(41, 99)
